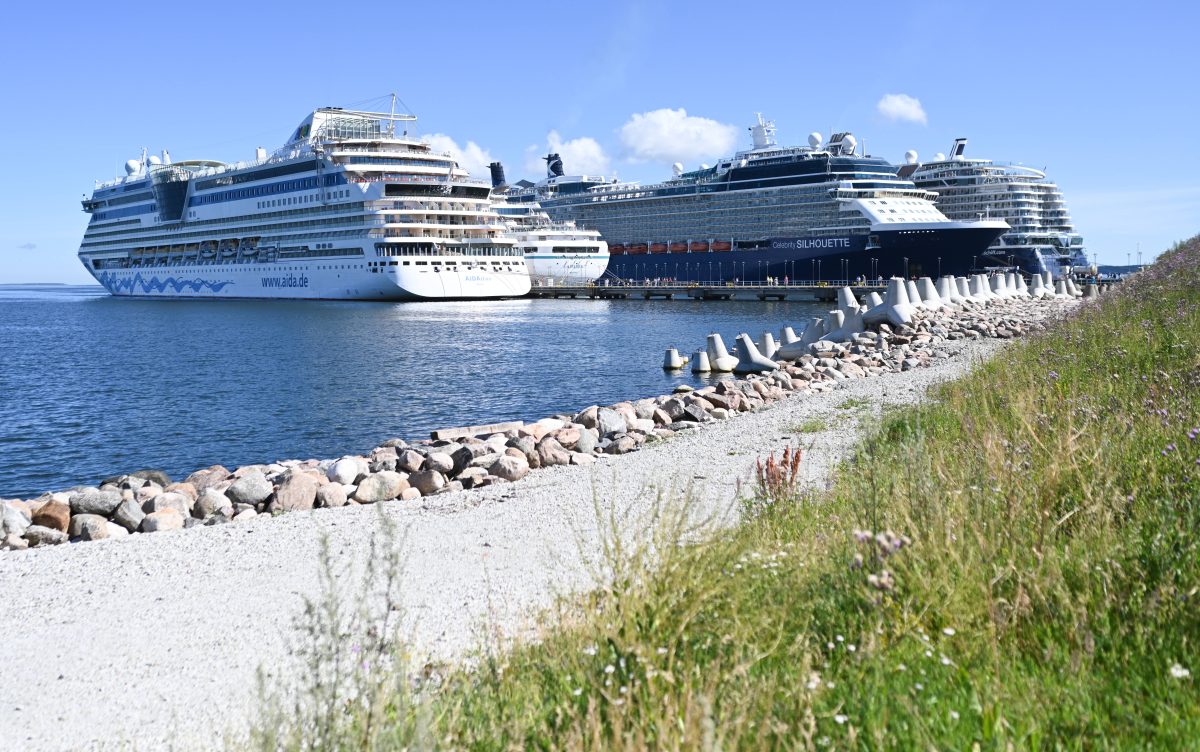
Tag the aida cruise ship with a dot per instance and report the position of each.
(821, 212)
(350, 208)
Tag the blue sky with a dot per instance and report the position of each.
(1103, 95)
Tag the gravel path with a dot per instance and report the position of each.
(154, 640)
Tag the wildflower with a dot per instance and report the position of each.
(589, 650)
(829, 645)
(661, 651)
(954, 715)
(1179, 672)
(577, 691)
(1192, 434)
(862, 536)
(858, 562)
(841, 639)
(624, 690)
(840, 719)
(948, 631)
(928, 653)
(918, 686)
(851, 647)
(945, 661)
(609, 669)
(902, 667)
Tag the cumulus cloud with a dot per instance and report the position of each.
(473, 158)
(668, 135)
(902, 107)
(580, 156)
(27, 246)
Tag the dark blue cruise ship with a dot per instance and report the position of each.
(821, 212)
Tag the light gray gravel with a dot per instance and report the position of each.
(154, 640)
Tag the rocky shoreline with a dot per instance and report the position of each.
(148, 501)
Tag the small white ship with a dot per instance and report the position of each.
(350, 208)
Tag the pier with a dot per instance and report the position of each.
(823, 290)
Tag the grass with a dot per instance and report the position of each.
(812, 425)
(1012, 566)
(854, 403)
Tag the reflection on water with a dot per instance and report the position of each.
(91, 386)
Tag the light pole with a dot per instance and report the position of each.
(906, 267)
(818, 268)
(939, 267)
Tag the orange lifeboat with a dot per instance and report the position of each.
(698, 246)
(637, 249)
(658, 247)
(722, 245)
(617, 250)
(679, 248)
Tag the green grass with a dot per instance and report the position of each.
(1012, 566)
(855, 403)
(812, 425)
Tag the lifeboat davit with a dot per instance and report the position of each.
(722, 245)
(658, 247)
(698, 246)
(637, 249)
(679, 248)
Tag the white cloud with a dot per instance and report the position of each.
(580, 156)
(902, 107)
(668, 135)
(473, 158)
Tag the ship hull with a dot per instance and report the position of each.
(566, 268)
(311, 281)
(897, 253)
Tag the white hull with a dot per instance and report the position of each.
(580, 269)
(313, 280)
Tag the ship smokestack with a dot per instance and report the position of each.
(554, 165)
(498, 180)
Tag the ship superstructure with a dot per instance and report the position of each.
(350, 208)
(817, 212)
(1042, 237)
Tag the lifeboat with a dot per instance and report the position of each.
(637, 249)
(658, 247)
(698, 246)
(207, 250)
(616, 250)
(722, 245)
(679, 248)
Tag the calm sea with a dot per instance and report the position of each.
(92, 386)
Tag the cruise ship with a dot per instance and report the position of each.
(822, 212)
(350, 208)
(555, 252)
(1041, 238)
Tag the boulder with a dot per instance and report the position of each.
(210, 502)
(439, 462)
(509, 468)
(129, 515)
(210, 476)
(54, 515)
(528, 447)
(245, 514)
(89, 527)
(578, 458)
(471, 477)
(165, 519)
(13, 521)
(40, 535)
(410, 461)
(331, 495)
(348, 470)
(381, 486)
(621, 445)
(187, 489)
(157, 477)
(410, 494)
(176, 501)
(13, 542)
(568, 437)
(297, 490)
(92, 501)
(252, 488)
(115, 531)
(588, 417)
(609, 422)
(550, 452)
(427, 481)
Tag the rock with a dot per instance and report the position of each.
(115, 531)
(89, 527)
(567, 437)
(410, 494)
(331, 495)
(427, 481)
(251, 488)
(13, 521)
(40, 535)
(165, 519)
(510, 468)
(245, 514)
(382, 486)
(586, 443)
(348, 470)
(187, 489)
(13, 542)
(210, 476)
(297, 490)
(693, 414)
(129, 515)
(682, 389)
(395, 444)
(147, 492)
(471, 477)
(95, 502)
(527, 446)
(621, 445)
(439, 462)
(609, 422)
(468, 454)
(210, 502)
(54, 515)
(550, 452)
(587, 417)
(176, 501)
(410, 461)
(158, 477)
(578, 458)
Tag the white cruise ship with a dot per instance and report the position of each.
(1042, 237)
(555, 252)
(350, 208)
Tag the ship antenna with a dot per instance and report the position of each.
(392, 118)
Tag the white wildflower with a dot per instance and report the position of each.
(954, 715)
(840, 719)
(1179, 672)
(609, 669)
(948, 631)
(590, 650)
(852, 647)
(661, 651)
(577, 691)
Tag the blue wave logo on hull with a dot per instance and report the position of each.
(138, 282)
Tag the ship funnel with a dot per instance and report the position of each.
(554, 166)
(166, 157)
(497, 171)
(260, 154)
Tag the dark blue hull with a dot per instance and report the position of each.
(913, 253)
